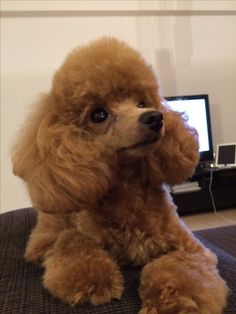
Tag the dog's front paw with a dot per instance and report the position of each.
(181, 305)
(94, 278)
(112, 289)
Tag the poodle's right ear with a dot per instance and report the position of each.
(25, 150)
(58, 167)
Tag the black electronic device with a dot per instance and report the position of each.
(226, 155)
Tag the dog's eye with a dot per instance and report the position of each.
(141, 104)
(99, 115)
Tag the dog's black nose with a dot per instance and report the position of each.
(153, 120)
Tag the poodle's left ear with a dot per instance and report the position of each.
(177, 154)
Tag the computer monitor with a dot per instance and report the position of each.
(196, 109)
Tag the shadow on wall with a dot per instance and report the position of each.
(174, 63)
(164, 63)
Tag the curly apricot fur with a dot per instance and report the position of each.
(100, 192)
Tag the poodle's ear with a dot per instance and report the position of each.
(57, 166)
(176, 155)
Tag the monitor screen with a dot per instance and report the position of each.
(196, 110)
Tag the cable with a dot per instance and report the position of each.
(213, 200)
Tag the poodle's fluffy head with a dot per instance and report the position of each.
(103, 109)
(109, 92)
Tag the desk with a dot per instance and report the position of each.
(223, 189)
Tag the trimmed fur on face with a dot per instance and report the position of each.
(99, 187)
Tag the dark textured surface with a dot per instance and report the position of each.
(21, 290)
(224, 237)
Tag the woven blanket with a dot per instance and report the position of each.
(21, 290)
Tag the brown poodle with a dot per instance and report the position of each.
(96, 154)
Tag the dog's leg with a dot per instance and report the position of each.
(42, 238)
(183, 282)
(77, 270)
(38, 246)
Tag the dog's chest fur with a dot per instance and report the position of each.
(129, 227)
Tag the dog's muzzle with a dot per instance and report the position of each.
(152, 120)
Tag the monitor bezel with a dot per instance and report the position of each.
(204, 155)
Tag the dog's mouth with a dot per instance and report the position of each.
(141, 144)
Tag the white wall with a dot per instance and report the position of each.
(190, 44)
